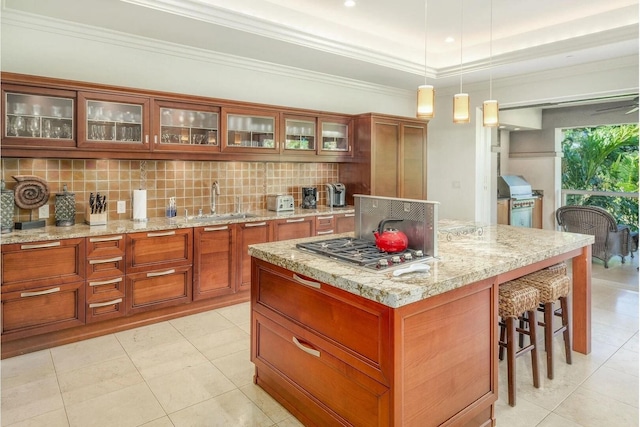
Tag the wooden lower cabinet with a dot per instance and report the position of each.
(214, 271)
(105, 287)
(334, 358)
(248, 233)
(160, 288)
(345, 223)
(293, 228)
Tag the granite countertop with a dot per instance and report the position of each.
(467, 253)
(154, 224)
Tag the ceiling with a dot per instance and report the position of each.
(377, 41)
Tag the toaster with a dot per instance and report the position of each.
(279, 202)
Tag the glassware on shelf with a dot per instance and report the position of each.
(34, 116)
(192, 127)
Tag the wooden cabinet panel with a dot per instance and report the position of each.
(384, 159)
(413, 169)
(503, 212)
(325, 224)
(214, 266)
(160, 288)
(345, 223)
(249, 233)
(46, 263)
(42, 309)
(293, 228)
(536, 221)
(105, 287)
(159, 249)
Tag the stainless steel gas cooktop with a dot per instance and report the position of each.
(362, 252)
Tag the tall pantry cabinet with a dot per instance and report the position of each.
(390, 158)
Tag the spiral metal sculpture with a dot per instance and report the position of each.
(31, 192)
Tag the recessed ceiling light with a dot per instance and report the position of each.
(350, 3)
(449, 39)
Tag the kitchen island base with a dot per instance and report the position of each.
(334, 358)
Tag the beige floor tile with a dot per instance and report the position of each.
(188, 386)
(201, 324)
(266, 403)
(222, 343)
(290, 422)
(230, 409)
(23, 369)
(605, 333)
(239, 314)
(524, 414)
(82, 353)
(164, 359)
(237, 367)
(91, 381)
(147, 337)
(554, 420)
(614, 384)
(632, 344)
(245, 327)
(31, 399)
(131, 406)
(160, 422)
(591, 409)
(626, 361)
(57, 418)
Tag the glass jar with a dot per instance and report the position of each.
(7, 204)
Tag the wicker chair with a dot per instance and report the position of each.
(611, 239)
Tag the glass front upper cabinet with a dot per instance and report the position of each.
(42, 118)
(336, 137)
(113, 121)
(300, 134)
(185, 127)
(249, 132)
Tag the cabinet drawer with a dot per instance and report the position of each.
(46, 263)
(43, 309)
(315, 375)
(293, 228)
(321, 307)
(345, 223)
(159, 288)
(100, 290)
(325, 224)
(104, 267)
(159, 249)
(108, 309)
(105, 246)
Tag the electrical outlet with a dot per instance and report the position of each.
(43, 212)
(122, 206)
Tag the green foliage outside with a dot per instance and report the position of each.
(604, 158)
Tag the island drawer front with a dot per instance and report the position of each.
(366, 340)
(313, 375)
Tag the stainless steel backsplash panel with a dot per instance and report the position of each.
(420, 220)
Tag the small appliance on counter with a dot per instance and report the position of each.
(336, 195)
(279, 202)
(309, 198)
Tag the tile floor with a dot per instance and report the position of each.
(195, 371)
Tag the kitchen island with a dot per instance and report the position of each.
(337, 344)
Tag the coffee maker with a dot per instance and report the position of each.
(309, 198)
(336, 195)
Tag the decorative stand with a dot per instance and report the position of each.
(31, 193)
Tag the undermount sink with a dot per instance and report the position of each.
(221, 217)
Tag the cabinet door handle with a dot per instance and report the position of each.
(105, 261)
(41, 245)
(155, 139)
(306, 282)
(295, 220)
(255, 224)
(106, 282)
(37, 293)
(105, 239)
(146, 139)
(320, 233)
(325, 217)
(166, 233)
(216, 228)
(161, 273)
(349, 215)
(104, 304)
(311, 351)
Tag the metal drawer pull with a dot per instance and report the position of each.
(106, 282)
(216, 228)
(104, 304)
(105, 261)
(325, 217)
(319, 233)
(37, 293)
(161, 273)
(306, 282)
(296, 220)
(166, 233)
(105, 239)
(255, 224)
(306, 349)
(349, 215)
(41, 245)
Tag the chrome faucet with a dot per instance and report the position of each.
(215, 191)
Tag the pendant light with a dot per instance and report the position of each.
(461, 100)
(490, 107)
(426, 93)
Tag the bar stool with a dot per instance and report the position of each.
(515, 299)
(553, 285)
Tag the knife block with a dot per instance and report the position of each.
(95, 218)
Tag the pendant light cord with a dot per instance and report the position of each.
(491, 50)
(461, 27)
(425, 41)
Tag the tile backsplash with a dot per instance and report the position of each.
(188, 181)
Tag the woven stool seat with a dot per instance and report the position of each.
(560, 268)
(517, 297)
(551, 285)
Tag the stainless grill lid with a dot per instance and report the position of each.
(514, 186)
